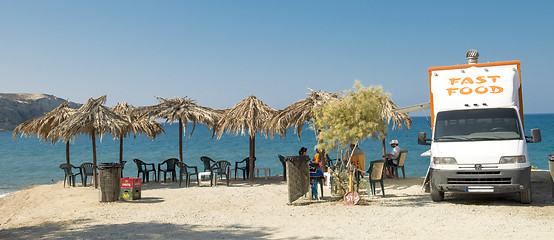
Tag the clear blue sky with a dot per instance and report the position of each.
(219, 52)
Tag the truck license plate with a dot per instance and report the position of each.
(479, 189)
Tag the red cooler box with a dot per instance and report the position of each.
(130, 188)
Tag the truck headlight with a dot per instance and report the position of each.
(445, 160)
(512, 159)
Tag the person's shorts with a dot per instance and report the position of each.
(390, 162)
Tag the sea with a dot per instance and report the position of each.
(27, 161)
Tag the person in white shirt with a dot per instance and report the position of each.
(392, 157)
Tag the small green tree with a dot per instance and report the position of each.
(356, 116)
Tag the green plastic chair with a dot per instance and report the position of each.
(142, 167)
(169, 168)
(186, 170)
(208, 162)
(375, 172)
(282, 159)
(86, 170)
(246, 169)
(69, 175)
(219, 169)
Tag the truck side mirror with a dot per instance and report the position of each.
(536, 135)
(422, 139)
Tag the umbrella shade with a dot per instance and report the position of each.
(183, 110)
(298, 113)
(249, 116)
(42, 125)
(92, 118)
(139, 124)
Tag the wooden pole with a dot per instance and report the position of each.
(252, 156)
(121, 149)
(180, 140)
(67, 151)
(93, 134)
(384, 150)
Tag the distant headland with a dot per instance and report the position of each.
(16, 108)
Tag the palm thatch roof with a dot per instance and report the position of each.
(139, 123)
(298, 113)
(182, 109)
(42, 126)
(249, 115)
(398, 119)
(91, 118)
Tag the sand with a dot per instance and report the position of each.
(260, 210)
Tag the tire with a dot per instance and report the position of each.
(525, 196)
(436, 195)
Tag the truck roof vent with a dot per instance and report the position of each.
(472, 56)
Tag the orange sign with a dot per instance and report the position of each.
(479, 85)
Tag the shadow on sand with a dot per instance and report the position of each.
(150, 230)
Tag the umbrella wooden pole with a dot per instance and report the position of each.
(384, 150)
(180, 140)
(67, 151)
(93, 134)
(252, 156)
(120, 149)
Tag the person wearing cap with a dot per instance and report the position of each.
(392, 157)
(395, 152)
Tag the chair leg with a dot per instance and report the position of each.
(403, 174)
(382, 188)
(321, 187)
(180, 179)
(215, 179)
(368, 187)
(235, 174)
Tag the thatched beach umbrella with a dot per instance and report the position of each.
(249, 116)
(42, 125)
(92, 118)
(182, 110)
(298, 113)
(398, 119)
(139, 124)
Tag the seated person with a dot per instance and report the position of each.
(355, 151)
(392, 157)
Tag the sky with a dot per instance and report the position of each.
(220, 52)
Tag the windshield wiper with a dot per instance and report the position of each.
(452, 138)
(483, 138)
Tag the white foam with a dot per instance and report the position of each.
(3, 194)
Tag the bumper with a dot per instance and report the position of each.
(481, 181)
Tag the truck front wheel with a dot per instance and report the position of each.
(436, 195)
(525, 196)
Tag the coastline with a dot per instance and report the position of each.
(259, 210)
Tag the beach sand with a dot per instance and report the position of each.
(260, 210)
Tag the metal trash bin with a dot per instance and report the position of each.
(110, 179)
(298, 176)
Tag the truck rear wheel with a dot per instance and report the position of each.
(436, 195)
(525, 196)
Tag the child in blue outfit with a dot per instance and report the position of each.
(314, 170)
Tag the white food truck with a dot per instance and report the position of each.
(478, 142)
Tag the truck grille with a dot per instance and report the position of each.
(478, 172)
(479, 181)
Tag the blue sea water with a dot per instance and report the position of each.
(29, 161)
